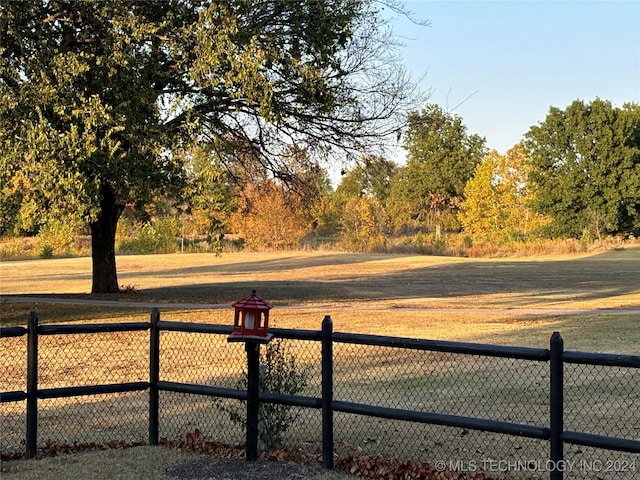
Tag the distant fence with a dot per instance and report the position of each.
(416, 382)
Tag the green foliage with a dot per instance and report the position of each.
(209, 199)
(441, 159)
(56, 237)
(362, 226)
(481, 210)
(586, 169)
(497, 198)
(371, 177)
(360, 202)
(279, 373)
(108, 93)
(440, 151)
(159, 236)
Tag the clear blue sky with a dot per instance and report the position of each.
(500, 65)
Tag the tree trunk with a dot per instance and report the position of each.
(438, 230)
(103, 244)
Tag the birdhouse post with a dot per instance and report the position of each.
(251, 326)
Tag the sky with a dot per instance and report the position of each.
(501, 65)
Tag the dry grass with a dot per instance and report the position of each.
(605, 280)
(488, 301)
(362, 292)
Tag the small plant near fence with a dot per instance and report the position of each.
(279, 373)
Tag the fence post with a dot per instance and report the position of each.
(327, 392)
(154, 376)
(253, 392)
(557, 405)
(32, 386)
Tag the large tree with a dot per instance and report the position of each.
(586, 168)
(497, 198)
(360, 202)
(441, 158)
(96, 97)
(370, 177)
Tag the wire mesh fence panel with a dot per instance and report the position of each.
(205, 359)
(181, 413)
(200, 358)
(13, 420)
(451, 448)
(598, 399)
(587, 463)
(13, 377)
(304, 434)
(74, 360)
(92, 359)
(467, 385)
(307, 356)
(114, 417)
(602, 400)
(484, 387)
(290, 367)
(13, 363)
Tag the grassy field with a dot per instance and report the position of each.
(603, 280)
(515, 301)
(593, 300)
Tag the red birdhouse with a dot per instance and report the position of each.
(251, 319)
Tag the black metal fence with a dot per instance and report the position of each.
(464, 406)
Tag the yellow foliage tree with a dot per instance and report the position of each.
(496, 199)
(363, 225)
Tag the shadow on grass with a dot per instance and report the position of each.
(527, 283)
(606, 280)
(18, 313)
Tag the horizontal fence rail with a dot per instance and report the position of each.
(556, 358)
(502, 351)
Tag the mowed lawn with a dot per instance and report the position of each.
(593, 300)
(518, 301)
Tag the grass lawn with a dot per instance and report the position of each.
(517, 301)
(593, 300)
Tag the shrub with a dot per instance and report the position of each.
(157, 237)
(55, 236)
(279, 373)
(20, 248)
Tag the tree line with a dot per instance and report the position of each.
(151, 121)
(576, 175)
(450, 184)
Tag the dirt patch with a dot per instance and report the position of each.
(238, 470)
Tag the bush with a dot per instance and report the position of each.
(20, 248)
(157, 237)
(56, 236)
(279, 373)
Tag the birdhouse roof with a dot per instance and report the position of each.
(252, 301)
